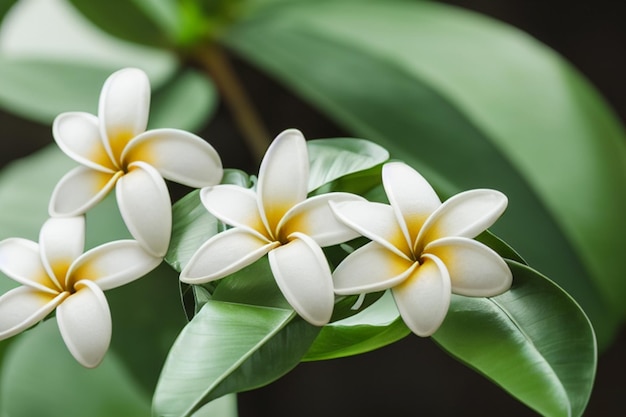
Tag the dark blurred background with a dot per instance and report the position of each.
(412, 377)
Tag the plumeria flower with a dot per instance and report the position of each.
(55, 274)
(115, 150)
(280, 221)
(422, 249)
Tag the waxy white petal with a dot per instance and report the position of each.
(283, 176)
(84, 320)
(464, 215)
(113, 264)
(410, 195)
(79, 190)
(224, 254)
(376, 221)
(78, 135)
(303, 276)
(61, 241)
(475, 269)
(235, 206)
(314, 217)
(178, 155)
(145, 206)
(23, 307)
(123, 109)
(20, 260)
(371, 268)
(423, 298)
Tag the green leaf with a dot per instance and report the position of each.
(125, 19)
(470, 103)
(534, 341)
(5, 6)
(39, 377)
(374, 327)
(331, 159)
(229, 348)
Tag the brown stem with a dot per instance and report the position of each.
(216, 63)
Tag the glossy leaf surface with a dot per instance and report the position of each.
(533, 340)
(470, 103)
(235, 347)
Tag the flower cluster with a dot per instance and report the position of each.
(114, 150)
(420, 248)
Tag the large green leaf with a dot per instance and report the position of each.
(40, 378)
(229, 347)
(471, 103)
(126, 19)
(533, 340)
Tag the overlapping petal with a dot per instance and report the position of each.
(20, 260)
(410, 195)
(113, 264)
(235, 206)
(61, 241)
(304, 277)
(370, 268)
(314, 217)
(145, 206)
(23, 307)
(466, 214)
(84, 320)
(80, 190)
(475, 269)
(375, 221)
(224, 254)
(423, 298)
(78, 135)
(123, 109)
(178, 155)
(283, 177)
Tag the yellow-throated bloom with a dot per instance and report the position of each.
(55, 273)
(280, 221)
(115, 150)
(422, 249)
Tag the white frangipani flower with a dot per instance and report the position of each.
(280, 221)
(55, 273)
(422, 249)
(115, 150)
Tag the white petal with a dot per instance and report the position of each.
(23, 307)
(283, 176)
(113, 264)
(375, 221)
(61, 241)
(410, 195)
(20, 260)
(80, 190)
(303, 275)
(464, 215)
(475, 269)
(313, 217)
(78, 135)
(424, 297)
(371, 268)
(123, 109)
(224, 254)
(84, 320)
(145, 205)
(235, 206)
(178, 155)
